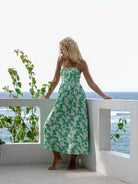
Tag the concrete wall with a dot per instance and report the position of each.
(28, 153)
(100, 158)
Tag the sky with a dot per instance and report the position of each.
(106, 32)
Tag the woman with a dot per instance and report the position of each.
(66, 128)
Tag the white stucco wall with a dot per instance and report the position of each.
(100, 158)
(118, 165)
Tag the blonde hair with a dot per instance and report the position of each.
(71, 49)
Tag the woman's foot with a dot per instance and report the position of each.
(55, 163)
(72, 164)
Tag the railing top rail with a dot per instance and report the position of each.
(113, 104)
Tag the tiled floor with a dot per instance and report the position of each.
(39, 174)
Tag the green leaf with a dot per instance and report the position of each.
(36, 133)
(33, 80)
(44, 85)
(1, 126)
(36, 119)
(11, 139)
(33, 73)
(29, 135)
(43, 90)
(14, 132)
(19, 84)
(23, 126)
(10, 130)
(22, 57)
(9, 120)
(37, 94)
(27, 66)
(17, 91)
(16, 141)
(23, 60)
(3, 120)
(120, 126)
(14, 96)
(28, 110)
(18, 78)
(117, 136)
(32, 91)
(11, 91)
(120, 120)
(27, 141)
(35, 86)
(2, 142)
(27, 61)
(14, 81)
(33, 123)
(30, 69)
(125, 122)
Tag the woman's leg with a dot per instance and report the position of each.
(72, 164)
(57, 160)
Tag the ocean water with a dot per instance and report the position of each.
(121, 145)
(114, 95)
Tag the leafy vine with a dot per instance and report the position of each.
(23, 126)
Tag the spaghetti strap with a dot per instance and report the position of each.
(76, 64)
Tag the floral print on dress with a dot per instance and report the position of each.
(66, 127)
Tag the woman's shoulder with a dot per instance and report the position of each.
(83, 64)
(61, 59)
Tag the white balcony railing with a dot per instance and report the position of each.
(100, 158)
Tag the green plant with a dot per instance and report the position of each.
(23, 127)
(1, 142)
(120, 126)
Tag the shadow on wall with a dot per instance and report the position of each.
(85, 160)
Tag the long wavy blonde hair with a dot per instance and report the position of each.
(71, 49)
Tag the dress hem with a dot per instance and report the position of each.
(64, 152)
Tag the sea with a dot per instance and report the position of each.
(120, 145)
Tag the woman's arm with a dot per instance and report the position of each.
(56, 78)
(90, 81)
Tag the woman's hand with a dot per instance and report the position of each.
(43, 97)
(107, 97)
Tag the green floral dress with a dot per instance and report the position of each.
(66, 127)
